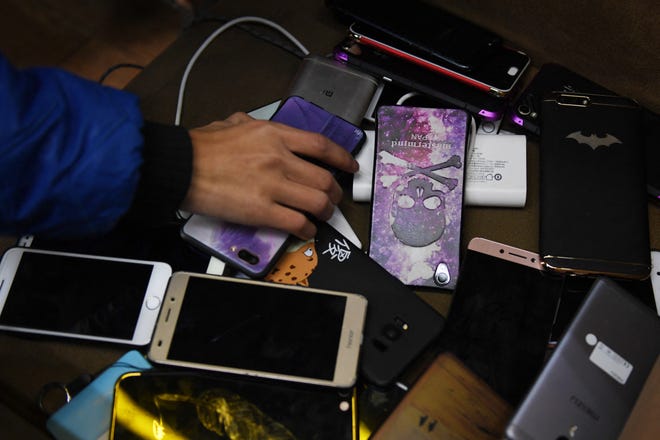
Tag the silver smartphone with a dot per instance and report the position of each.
(260, 329)
(590, 383)
(81, 296)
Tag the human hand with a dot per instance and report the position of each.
(249, 171)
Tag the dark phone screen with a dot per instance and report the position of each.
(426, 28)
(76, 295)
(500, 321)
(254, 327)
(198, 406)
(501, 70)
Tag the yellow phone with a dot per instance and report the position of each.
(188, 404)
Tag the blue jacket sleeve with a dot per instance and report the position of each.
(70, 153)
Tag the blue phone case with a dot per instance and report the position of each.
(87, 415)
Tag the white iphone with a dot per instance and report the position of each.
(81, 296)
(260, 329)
(655, 277)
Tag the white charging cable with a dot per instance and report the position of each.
(210, 38)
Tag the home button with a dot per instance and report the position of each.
(152, 302)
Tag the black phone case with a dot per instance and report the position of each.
(399, 324)
(551, 77)
(593, 217)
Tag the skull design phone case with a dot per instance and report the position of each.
(418, 193)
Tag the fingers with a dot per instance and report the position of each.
(291, 221)
(318, 147)
(250, 171)
(238, 118)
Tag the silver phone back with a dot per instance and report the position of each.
(590, 383)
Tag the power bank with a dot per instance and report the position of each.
(496, 172)
(339, 89)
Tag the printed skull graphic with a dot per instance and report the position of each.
(419, 209)
(419, 213)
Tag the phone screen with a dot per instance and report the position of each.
(75, 295)
(430, 29)
(500, 320)
(498, 74)
(254, 327)
(199, 406)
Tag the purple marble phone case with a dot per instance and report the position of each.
(418, 193)
(249, 249)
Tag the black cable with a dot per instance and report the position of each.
(118, 66)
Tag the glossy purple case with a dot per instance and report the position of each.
(254, 250)
(299, 113)
(418, 193)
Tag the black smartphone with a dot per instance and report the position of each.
(400, 325)
(188, 404)
(415, 78)
(438, 34)
(551, 77)
(593, 204)
(498, 73)
(501, 315)
(652, 142)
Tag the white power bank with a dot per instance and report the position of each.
(496, 173)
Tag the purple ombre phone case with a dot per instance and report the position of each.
(249, 249)
(299, 113)
(254, 250)
(418, 193)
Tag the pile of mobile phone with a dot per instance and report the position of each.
(431, 40)
(254, 250)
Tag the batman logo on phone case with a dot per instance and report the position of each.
(594, 218)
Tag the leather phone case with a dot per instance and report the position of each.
(593, 217)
